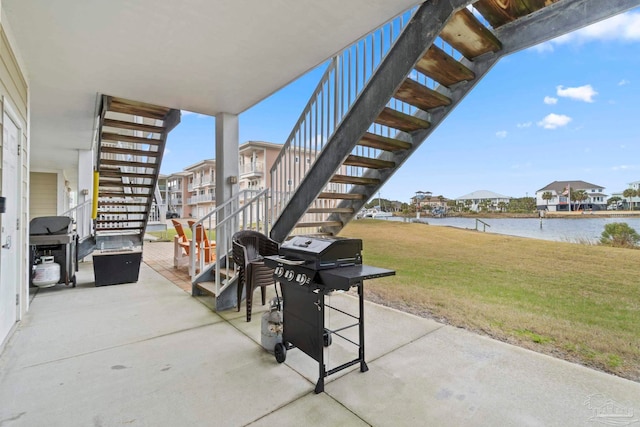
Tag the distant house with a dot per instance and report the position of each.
(428, 201)
(483, 200)
(635, 201)
(559, 201)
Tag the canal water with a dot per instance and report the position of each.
(559, 229)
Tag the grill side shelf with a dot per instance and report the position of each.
(353, 274)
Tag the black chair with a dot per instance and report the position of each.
(249, 248)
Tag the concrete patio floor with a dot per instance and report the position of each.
(148, 354)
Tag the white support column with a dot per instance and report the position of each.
(227, 167)
(227, 153)
(85, 175)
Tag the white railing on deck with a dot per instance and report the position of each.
(81, 216)
(158, 213)
(249, 210)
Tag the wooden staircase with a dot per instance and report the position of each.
(132, 137)
(440, 56)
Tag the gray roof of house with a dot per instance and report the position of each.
(483, 194)
(559, 186)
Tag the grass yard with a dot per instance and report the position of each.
(171, 232)
(577, 302)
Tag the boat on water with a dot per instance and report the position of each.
(375, 214)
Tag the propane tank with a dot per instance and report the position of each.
(47, 273)
(271, 326)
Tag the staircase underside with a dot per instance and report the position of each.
(131, 145)
(442, 54)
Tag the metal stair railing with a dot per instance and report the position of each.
(81, 215)
(343, 81)
(248, 210)
(347, 74)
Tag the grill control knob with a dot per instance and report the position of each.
(301, 278)
(289, 275)
(279, 271)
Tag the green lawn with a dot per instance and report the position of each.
(171, 232)
(574, 301)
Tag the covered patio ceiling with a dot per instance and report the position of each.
(207, 56)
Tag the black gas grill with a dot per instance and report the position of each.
(308, 268)
(54, 236)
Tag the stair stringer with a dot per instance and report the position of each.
(436, 116)
(412, 44)
(553, 21)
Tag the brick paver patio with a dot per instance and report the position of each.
(159, 256)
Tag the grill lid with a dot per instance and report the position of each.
(319, 252)
(50, 225)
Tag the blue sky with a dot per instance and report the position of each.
(568, 109)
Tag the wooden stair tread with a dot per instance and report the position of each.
(319, 224)
(343, 196)
(122, 124)
(118, 150)
(356, 180)
(383, 143)
(118, 184)
(443, 68)
(110, 136)
(114, 162)
(126, 106)
(397, 120)
(468, 36)
(420, 96)
(208, 287)
(107, 221)
(114, 203)
(117, 228)
(367, 162)
(123, 195)
(106, 173)
(329, 210)
(499, 13)
(107, 212)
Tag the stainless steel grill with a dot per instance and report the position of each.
(54, 236)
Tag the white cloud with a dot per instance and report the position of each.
(166, 151)
(549, 100)
(543, 47)
(623, 82)
(524, 125)
(582, 93)
(554, 121)
(501, 134)
(624, 27)
(623, 168)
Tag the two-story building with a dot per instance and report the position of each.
(556, 196)
(483, 200)
(628, 202)
(201, 187)
(177, 184)
(191, 192)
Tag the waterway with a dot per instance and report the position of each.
(557, 229)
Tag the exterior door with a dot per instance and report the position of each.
(9, 235)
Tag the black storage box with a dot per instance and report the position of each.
(116, 267)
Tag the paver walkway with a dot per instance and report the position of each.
(159, 256)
